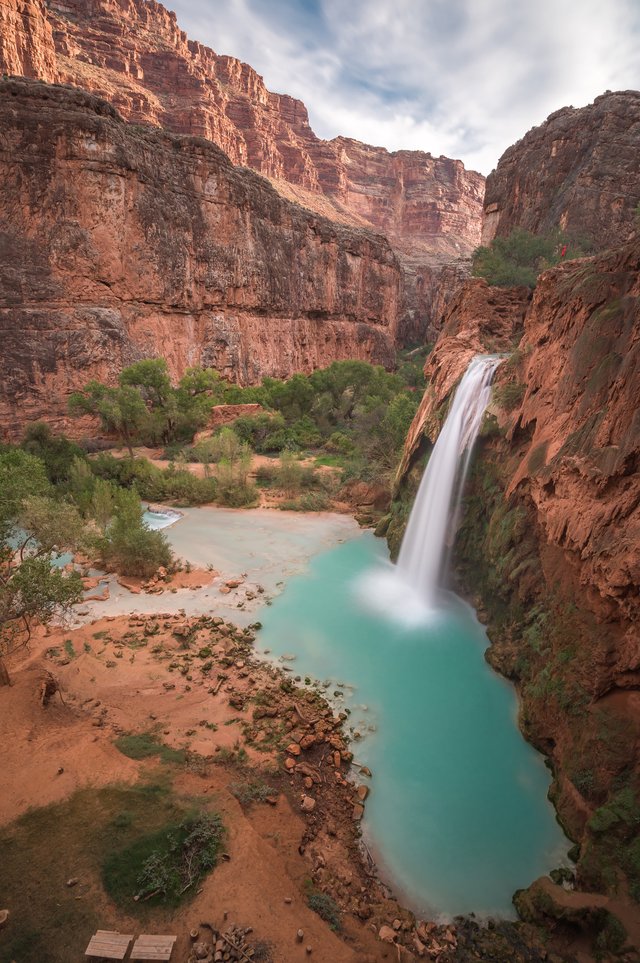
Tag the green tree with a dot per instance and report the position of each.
(128, 545)
(121, 410)
(56, 451)
(31, 587)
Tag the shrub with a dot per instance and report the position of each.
(519, 258)
(129, 546)
(325, 907)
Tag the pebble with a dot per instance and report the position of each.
(308, 804)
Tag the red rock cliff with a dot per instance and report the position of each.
(579, 171)
(550, 539)
(133, 53)
(119, 243)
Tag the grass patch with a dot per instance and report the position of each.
(47, 846)
(144, 745)
(69, 649)
(162, 866)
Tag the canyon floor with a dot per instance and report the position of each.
(118, 676)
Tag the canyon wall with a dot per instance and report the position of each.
(579, 171)
(549, 541)
(119, 243)
(133, 53)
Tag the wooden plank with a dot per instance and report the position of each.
(109, 944)
(152, 947)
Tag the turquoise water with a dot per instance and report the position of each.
(457, 816)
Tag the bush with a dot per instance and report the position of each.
(325, 907)
(307, 502)
(522, 256)
(128, 545)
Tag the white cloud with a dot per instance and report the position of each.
(464, 78)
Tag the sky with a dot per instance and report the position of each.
(463, 78)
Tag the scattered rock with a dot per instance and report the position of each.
(386, 934)
(4, 916)
(358, 811)
(308, 804)
(73, 881)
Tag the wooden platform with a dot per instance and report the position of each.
(153, 948)
(109, 945)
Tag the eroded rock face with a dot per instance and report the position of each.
(549, 542)
(133, 53)
(119, 243)
(574, 430)
(579, 171)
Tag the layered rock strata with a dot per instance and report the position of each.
(119, 242)
(578, 171)
(133, 53)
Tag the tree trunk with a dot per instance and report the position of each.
(4, 673)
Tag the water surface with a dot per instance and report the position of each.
(458, 815)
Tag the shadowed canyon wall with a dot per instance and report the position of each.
(119, 243)
(133, 53)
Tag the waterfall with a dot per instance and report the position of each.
(433, 516)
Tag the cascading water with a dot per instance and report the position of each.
(424, 544)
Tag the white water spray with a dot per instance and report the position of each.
(434, 512)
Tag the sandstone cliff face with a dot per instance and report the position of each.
(133, 53)
(570, 414)
(579, 171)
(119, 243)
(549, 541)
(26, 40)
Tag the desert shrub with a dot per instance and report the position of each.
(326, 907)
(182, 486)
(307, 502)
(234, 488)
(253, 790)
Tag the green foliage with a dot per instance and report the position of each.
(128, 545)
(509, 395)
(252, 790)
(326, 907)
(56, 452)
(162, 866)
(31, 587)
(519, 258)
(307, 502)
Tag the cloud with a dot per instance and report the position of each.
(462, 78)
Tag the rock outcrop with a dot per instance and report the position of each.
(579, 171)
(550, 537)
(133, 53)
(120, 242)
